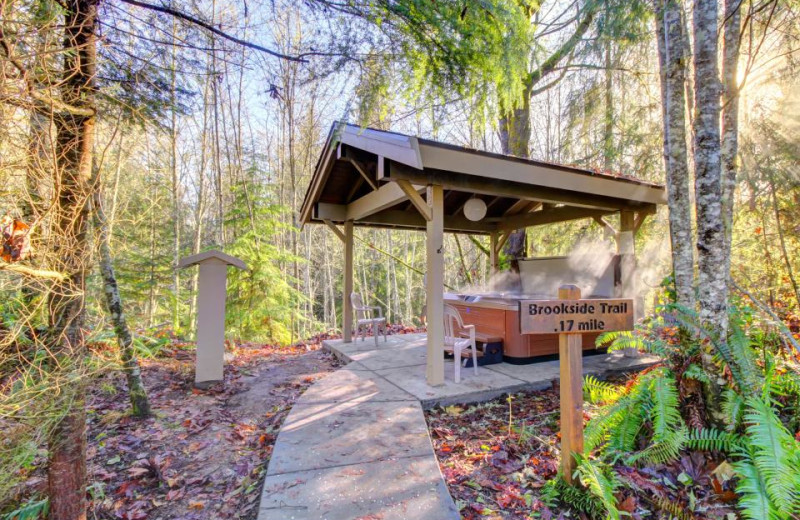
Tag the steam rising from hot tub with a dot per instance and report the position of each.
(590, 265)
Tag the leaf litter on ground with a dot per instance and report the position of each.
(496, 457)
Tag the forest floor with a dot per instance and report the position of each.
(497, 456)
(202, 454)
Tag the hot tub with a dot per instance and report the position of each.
(497, 314)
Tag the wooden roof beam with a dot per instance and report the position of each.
(522, 206)
(488, 186)
(383, 198)
(539, 218)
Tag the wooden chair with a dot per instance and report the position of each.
(367, 316)
(456, 344)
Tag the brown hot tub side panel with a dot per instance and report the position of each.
(496, 321)
(533, 345)
(488, 321)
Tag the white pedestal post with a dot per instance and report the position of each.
(211, 295)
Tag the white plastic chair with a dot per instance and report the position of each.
(367, 316)
(452, 341)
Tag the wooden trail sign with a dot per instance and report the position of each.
(570, 317)
(575, 316)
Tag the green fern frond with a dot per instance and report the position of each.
(623, 437)
(597, 391)
(732, 407)
(741, 351)
(667, 449)
(606, 339)
(775, 454)
(621, 339)
(710, 439)
(32, 510)
(754, 499)
(787, 383)
(610, 417)
(666, 413)
(696, 372)
(600, 482)
(557, 490)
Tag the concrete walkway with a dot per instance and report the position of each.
(356, 444)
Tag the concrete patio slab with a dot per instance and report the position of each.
(401, 356)
(351, 385)
(356, 445)
(395, 489)
(345, 350)
(488, 384)
(616, 363)
(315, 436)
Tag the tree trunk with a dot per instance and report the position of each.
(730, 118)
(515, 137)
(176, 225)
(140, 405)
(781, 238)
(711, 251)
(515, 129)
(75, 141)
(609, 153)
(670, 28)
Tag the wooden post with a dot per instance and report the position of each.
(494, 260)
(627, 253)
(626, 249)
(434, 246)
(570, 355)
(347, 286)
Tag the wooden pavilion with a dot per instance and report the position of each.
(367, 177)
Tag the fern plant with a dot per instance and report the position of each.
(643, 424)
(601, 482)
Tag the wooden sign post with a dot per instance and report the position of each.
(571, 317)
(570, 355)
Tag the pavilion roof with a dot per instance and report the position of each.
(360, 173)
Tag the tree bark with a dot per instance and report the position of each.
(515, 124)
(176, 225)
(781, 239)
(711, 251)
(75, 141)
(140, 406)
(730, 118)
(670, 29)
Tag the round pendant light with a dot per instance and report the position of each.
(475, 209)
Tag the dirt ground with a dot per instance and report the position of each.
(203, 453)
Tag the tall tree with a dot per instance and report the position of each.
(711, 250)
(75, 141)
(730, 117)
(140, 405)
(670, 29)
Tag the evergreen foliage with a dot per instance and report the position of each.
(645, 423)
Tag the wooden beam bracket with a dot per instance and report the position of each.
(605, 224)
(501, 240)
(362, 170)
(637, 223)
(338, 232)
(416, 199)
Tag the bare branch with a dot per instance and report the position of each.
(207, 26)
(32, 272)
